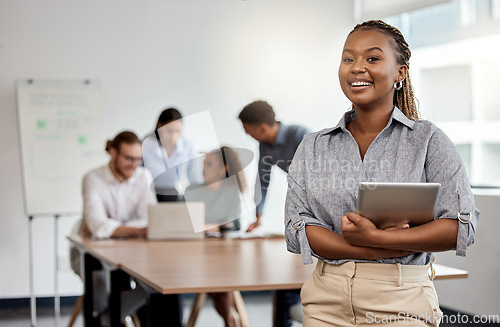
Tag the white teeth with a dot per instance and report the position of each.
(360, 83)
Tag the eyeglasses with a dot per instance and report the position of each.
(130, 159)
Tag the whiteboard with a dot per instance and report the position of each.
(60, 132)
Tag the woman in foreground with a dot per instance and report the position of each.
(369, 276)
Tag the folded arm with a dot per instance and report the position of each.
(331, 245)
(435, 236)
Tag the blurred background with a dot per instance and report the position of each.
(218, 56)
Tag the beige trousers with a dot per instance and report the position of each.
(370, 294)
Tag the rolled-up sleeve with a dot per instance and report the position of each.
(456, 200)
(298, 213)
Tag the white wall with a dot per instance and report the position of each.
(215, 55)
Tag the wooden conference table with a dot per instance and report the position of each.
(198, 266)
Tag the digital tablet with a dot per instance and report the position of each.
(391, 204)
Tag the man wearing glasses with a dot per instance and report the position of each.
(116, 196)
(115, 204)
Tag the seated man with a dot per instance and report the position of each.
(116, 196)
(115, 203)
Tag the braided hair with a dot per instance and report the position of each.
(404, 98)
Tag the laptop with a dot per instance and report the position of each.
(176, 221)
(391, 204)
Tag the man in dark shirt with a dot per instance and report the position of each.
(277, 145)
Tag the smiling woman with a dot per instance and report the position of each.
(378, 271)
(393, 54)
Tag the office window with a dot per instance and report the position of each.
(490, 164)
(489, 90)
(454, 70)
(461, 98)
(495, 9)
(465, 151)
(448, 21)
(445, 94)
(467, 12)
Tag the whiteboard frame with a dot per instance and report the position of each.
(62, 84)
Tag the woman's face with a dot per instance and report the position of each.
(170, 133)
(213, 168)
(369, 69)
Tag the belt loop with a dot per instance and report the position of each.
(322, 268)
(400, 275)
(432, 271)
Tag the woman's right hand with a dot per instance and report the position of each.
(379, 253)
(331, 245)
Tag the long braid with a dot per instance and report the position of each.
(404, 98)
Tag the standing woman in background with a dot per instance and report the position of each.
(169, 157)
(368, 276)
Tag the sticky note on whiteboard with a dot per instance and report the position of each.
(41, 124)
(82, 139)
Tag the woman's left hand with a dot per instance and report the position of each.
(358, 230)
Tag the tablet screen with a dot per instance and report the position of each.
(391, 204)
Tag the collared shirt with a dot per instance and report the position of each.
(327, 168)
(107, 203)
(180, 167)
(280, 153)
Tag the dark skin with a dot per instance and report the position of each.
(367, 73)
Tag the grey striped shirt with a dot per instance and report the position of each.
(327, 168)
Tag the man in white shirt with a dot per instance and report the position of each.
(116, 196)
(115, 203)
